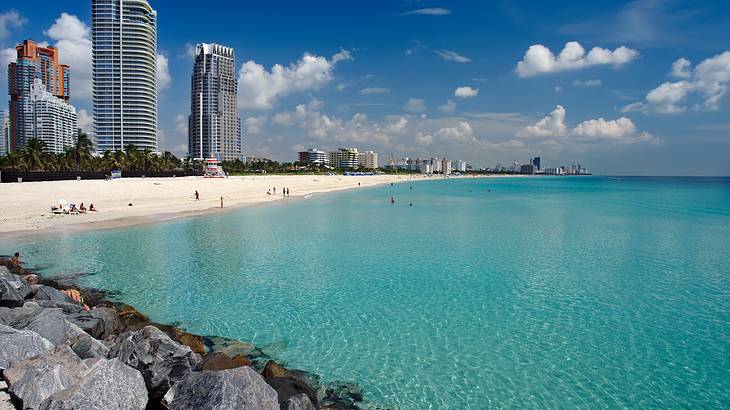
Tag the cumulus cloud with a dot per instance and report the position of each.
(181, 124)
(254, 124)
(449, 107)
(424, 138)
(10, 20)
(540, 60)
(462, 132)
(259, 88)
(702, 87)
(429, 11)
(587, 83)
(620, 131)
(374, 90)
(415, 105)
(73, 40)
(466, 92)
(163, 73)
(85, 121)
(453, 56)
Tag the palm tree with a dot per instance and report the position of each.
(34, 154)
(11, 161)
(133, 156)
(112, 160)
(81, 151)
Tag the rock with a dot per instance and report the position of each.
(194, 342)
(109, 385)
(19, 317)
(6, 403)
(231, 347)
(131, 319)
(66, 307)
(287, 387)
(43, 292)
(17, 345)
(343, 391)
(240, 388)
(221, 361)
(309, 381)
(298, 402)
(99, 322)
(13, 289)
(161, 361)
(274, 369)
(85, 346)
(31, 279)
(53, 326)
(35, 379)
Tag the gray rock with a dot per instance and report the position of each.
(35, 379)
(109, 385)
(85, 346)
(43, 292)
(100, 322)
(298, 402)
(18, 283)
(162, 361)
(239, 388)
(19, 317)
(67, 308)
(17, 345)
(53, 326)
(13, 289)
(5, 402)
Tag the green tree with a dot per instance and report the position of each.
(133, 157)
(81, 151)
(34, 155)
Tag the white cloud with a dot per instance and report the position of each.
(430, 11)
(73, 40)
(282, 118)
(448, 108)
(462, 132)
(449, 55)
(398, 127)
(587, 83)
(466, 92)
(9, 20)
(85, 121)
(558, 88)
(181, 124)
(667, 98)
(423, 138)
(681, 68)
(259, 88)
(163, 73)
(415, 105)
(190, 49)
(374, 90)
(620, 131)
(254, 124)
(540, 60)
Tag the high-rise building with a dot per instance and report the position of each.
(213, 126)
(367, 159)
(54, 121)
(33, 63)
(124, 37)
(536, 162)
(314, 157)
(344, 158)
(5, 123)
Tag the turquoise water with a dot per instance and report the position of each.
(545, 292)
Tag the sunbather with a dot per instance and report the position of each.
(82, 208)
(91, 208)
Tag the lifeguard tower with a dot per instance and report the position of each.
(213, 168)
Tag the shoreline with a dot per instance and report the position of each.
(163, 199)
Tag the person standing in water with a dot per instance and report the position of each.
(221, 202)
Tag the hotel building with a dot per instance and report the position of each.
(344, 158)
(53, 120)
(367, 160)
(33, 63)
(314, 157)
(124, 37)
(213, 126)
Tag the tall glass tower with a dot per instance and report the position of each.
(124, 36)
(213, 126)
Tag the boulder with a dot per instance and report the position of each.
(18, 345)
(66, 307)
(35, 379)
(221, 361)
(287, 387)
(100, 322)
(53, 326)
(43, 292)
(343, 391)
(13, 289)
(240, 388)
(109, 385)
(161, 361)
(19, 317)
(31, 279)
(194, 342)
(6, 403)
(85, 346)
(298, 402)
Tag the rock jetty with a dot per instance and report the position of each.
(65, 347)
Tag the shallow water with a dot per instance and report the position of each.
(545, 292)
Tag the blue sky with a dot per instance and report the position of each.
(634, 87)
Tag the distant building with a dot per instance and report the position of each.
(536, 163)
(213, 125)
(344, 158)
(367, 159)
(53, 120)
(3, 137)
(32, 63)
(446, 167)
(527, 169)
(460, 166)
(314, 157)
(124, 61)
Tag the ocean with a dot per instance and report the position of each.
(550, 292)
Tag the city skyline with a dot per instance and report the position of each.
(648, 99)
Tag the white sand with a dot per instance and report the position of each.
(25, 207)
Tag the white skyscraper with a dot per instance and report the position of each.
(124, 35)
(53, 120)
(214, 127)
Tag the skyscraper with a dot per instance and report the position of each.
(54, 121)
(124, 37)
(5, 125)
(213, 126)
(32, 63)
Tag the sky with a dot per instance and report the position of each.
(624, 88)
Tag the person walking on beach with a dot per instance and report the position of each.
(221, 202)
(197, 195)
(274, 190)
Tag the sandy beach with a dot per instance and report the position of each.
(26, 207)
